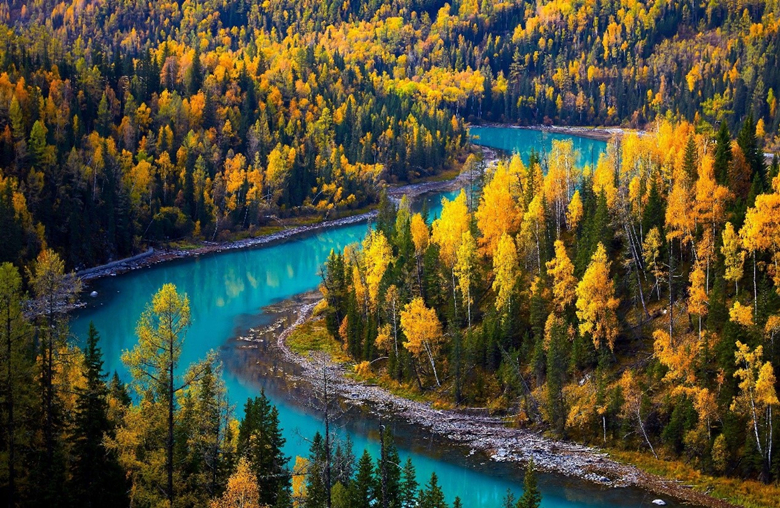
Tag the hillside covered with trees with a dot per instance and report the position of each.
(126, 124)
(633, 305)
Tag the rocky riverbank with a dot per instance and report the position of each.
(156, 256)
(479, 433)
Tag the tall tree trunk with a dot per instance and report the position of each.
(169, 465)
(642, 427)
(10, 423)
(433, 365)
(383, 462)
(755, 289)
(671, 294)
(327, 438)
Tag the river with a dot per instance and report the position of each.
(228, 292)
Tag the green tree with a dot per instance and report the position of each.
(17, 375)
(723, 154)
(432, 496)
(363, 486)
(316, 488)
(260, 441)
(408, 487)
(98, 479)
(54, 291)
(531, 497)
(154, 361)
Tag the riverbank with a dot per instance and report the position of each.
(155, 256)
(599, 133)
(483, 434)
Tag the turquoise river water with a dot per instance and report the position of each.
(227, 293)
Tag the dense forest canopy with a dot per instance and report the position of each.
(124, 124)
(632, 305)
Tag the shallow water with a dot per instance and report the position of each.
(227, 293)
(524, 141)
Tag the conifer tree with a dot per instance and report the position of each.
(97, 478)
(260, 441)
(531, 497)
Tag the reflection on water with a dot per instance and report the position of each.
(228, 292)
(523, 141)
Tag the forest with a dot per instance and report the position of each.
(633, 305)
(168, 436)
(124, 125)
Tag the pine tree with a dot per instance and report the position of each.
(689, 159)
(260, 441)
(363, 486)
(408, 487)
(747, 141)
(16, 376)
(316, 490)
(432, 496)
(531, 497)
(98, 479)
(723, 154)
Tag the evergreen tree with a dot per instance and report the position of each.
(747, 141)
(689, 159)
(654, 212)
(17, 381)
(316, 490)
(98, 479)
(260, 441)
(723, 154)
(363, 486)
(408, 487)
(509, 500)
(432, 496)
(531, 497)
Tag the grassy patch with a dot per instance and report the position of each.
(748, 493)
(313, 336)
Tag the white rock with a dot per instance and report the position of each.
(93, 294)
(659, 502)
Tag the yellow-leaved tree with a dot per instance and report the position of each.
(574, 211)
(761, 233)
(596, 302)
(505, 272)
(757, 396)
(698, 300)
(632, 403)
(241, 490)
(498, 212)
(448, 233)
(422, 329)
(377, 256)
(420, 238)
(651, 251)
(733, 255)
(464, 269)
(561, 270)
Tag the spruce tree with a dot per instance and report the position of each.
(316, 490)
(531, 497)
(97, 480)
(747, 141)
(260, 440)
(363, 486)
(689, 160)
(408, 487)
(723, 154)
(432, 496)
